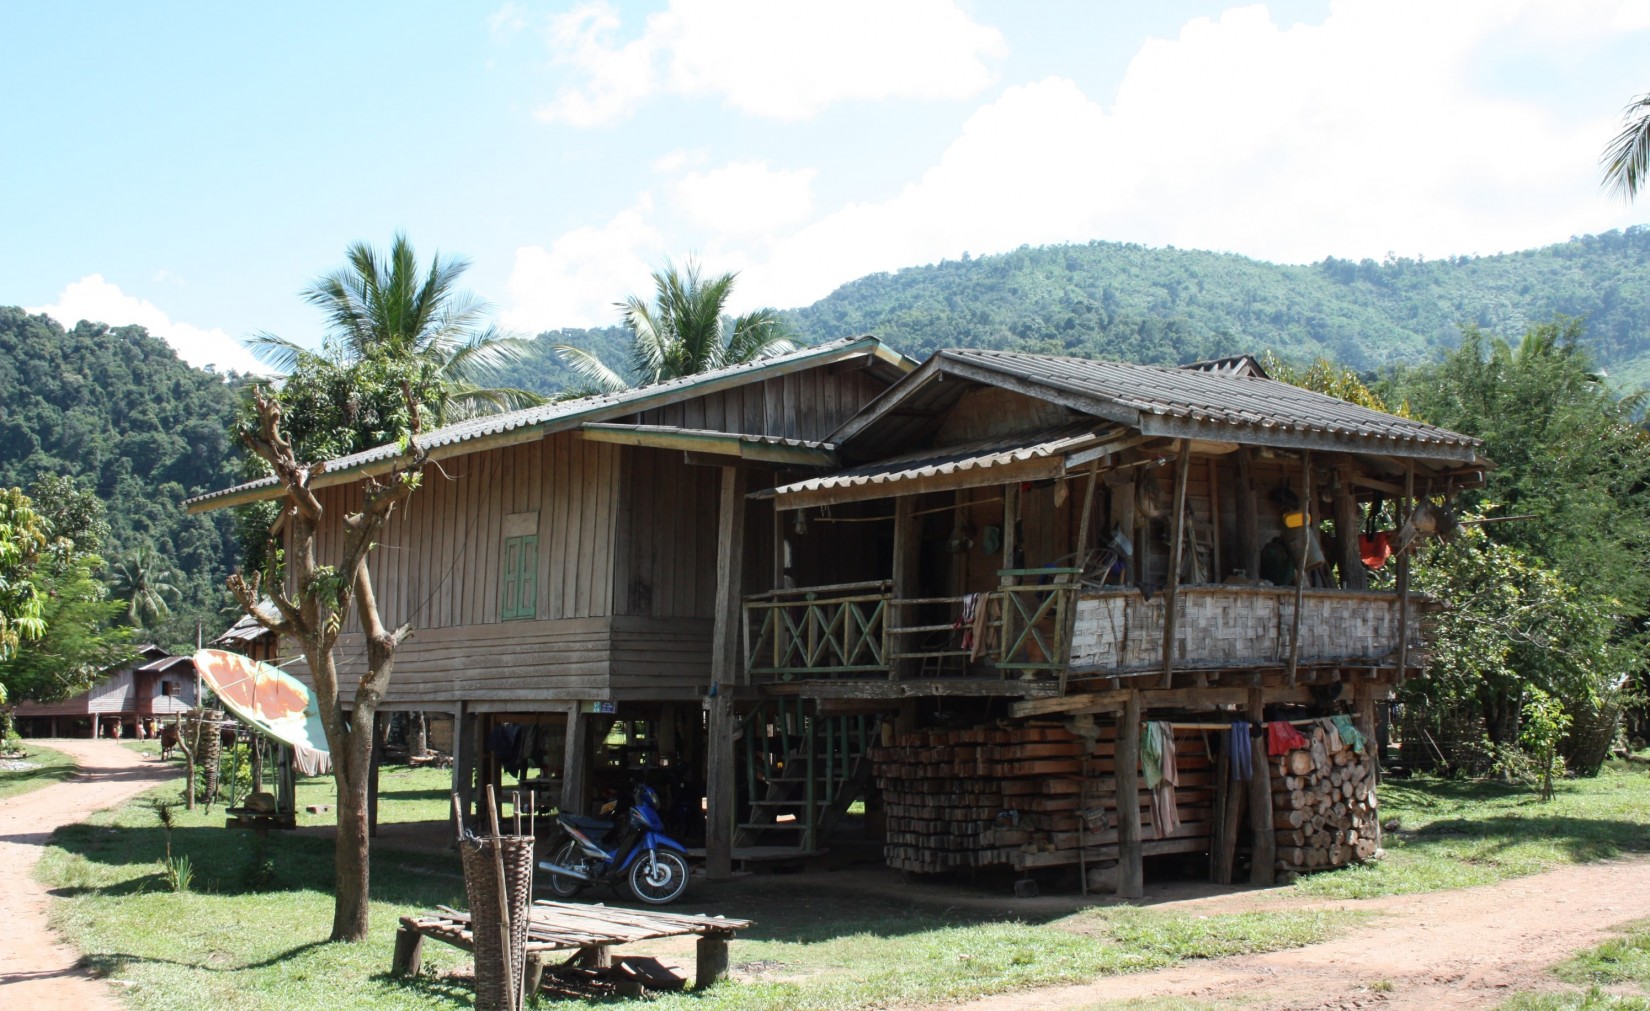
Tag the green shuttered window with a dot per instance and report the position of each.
(518, 593)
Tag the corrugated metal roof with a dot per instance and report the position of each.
(247, 628)
(164, 663)
(1214, 397)
(552, 417)
(710, 433)
(977, 455)
(1155, 400)
(1242, 365)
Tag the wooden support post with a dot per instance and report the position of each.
(1122, 518)
(712, 962)
(1300, 565)
(1217, 558)
(1171, 597)
(1131, 875)
(575, 760)
(1263, 865)
(409, 952)
(597, 956)
(1353, 576)
(1405, 511)
(533, 975)
(1248, 518)
(721, 781)
(1231, 822)
(907, 559)
(1011, 524)
(463, 749)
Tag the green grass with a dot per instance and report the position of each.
(47, 768)
(1622, 961)
(147, 748)
(1455, 834)
(1593, 999)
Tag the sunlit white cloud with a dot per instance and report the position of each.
(780, 59)
(746, 198)
(575, 281)
(1283, 143)
(99, 301)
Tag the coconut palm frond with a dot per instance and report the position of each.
(761, 333)
(594, 374)
(1627, 158)
(278, 353)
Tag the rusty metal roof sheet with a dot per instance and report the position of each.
(980, 454)
(558, 415)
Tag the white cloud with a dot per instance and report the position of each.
(746, 198)
(575, 282)
(780, 59)
(95, 299)
(1359, 136)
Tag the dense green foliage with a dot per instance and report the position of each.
(1137, 303)
(1548, 605)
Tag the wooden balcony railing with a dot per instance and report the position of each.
(862, 629)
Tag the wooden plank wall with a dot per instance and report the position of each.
(810, 404)
(437, 564)
(665, 536)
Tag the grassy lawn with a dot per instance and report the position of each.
(247, 935)
(1622, 964)
(1456, 834)
(40, 767)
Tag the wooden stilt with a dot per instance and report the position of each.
(720, 780)
(712, 961)
(380, 733)
(1248, 521)
(906, 561)
(1405, 511)
(575, 760)
(409, 952)
(1353, 576)
(1131, 882)
(1263, 866)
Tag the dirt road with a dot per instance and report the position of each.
(1472, 948)
(35, 971)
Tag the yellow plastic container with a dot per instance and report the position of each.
(1294, 521)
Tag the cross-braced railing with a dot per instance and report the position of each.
(818, 630)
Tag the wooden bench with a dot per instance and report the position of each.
(589, 931)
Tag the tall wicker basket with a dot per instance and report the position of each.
(497, 990)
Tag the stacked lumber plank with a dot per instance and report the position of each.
(1323, 804)
(1018, 796)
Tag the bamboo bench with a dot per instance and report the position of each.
(589, 931)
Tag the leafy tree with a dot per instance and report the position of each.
(1326, 377)
(385, 310)
(22, 541)
(685, 331)
(142, 580)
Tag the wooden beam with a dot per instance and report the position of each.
(907, 558)
(1011, 524)
(575, 759)
(1307, 535)
(1405, 511)
(1263, 869)
(1036, 469)
(1248, 519)
(1182, 471)
(721, 444)
(1131, 882)
(1353, 576)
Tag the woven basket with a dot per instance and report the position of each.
(494, 988)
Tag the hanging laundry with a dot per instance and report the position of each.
(1159, 765)
(1151, 755)
(965, 621)
(1239, 752)
(1332, 736)
(1349, 732)
(1282, 738)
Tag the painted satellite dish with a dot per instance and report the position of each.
(271, 700)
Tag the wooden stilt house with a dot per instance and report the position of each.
(564, 567)
(1026, 560)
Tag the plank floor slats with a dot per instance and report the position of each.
(559, 926)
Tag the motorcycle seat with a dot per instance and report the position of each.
(586, 823)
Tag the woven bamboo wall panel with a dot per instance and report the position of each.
(1236, 626)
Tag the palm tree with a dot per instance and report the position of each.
(382, 307)
(141, 579)
(682, 333)
(1627, 159)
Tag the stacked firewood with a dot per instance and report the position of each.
(974, 797)
(1323, 804)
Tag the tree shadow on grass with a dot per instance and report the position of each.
(227, 861)
(113, 964)
(1581, 839)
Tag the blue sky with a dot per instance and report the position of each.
(190, 166)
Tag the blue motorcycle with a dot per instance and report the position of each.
(652, 863)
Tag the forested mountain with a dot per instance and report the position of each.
(117, 411)
(1167, 305)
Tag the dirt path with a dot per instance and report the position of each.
(36, 972)
(1471, 948)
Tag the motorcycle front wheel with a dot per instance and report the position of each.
(660, 880)
(560, 885)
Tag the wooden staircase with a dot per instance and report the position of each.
(802, 772)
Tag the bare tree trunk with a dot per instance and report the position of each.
(418, 734)
(351, 863)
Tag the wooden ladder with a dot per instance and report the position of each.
(803, 770)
